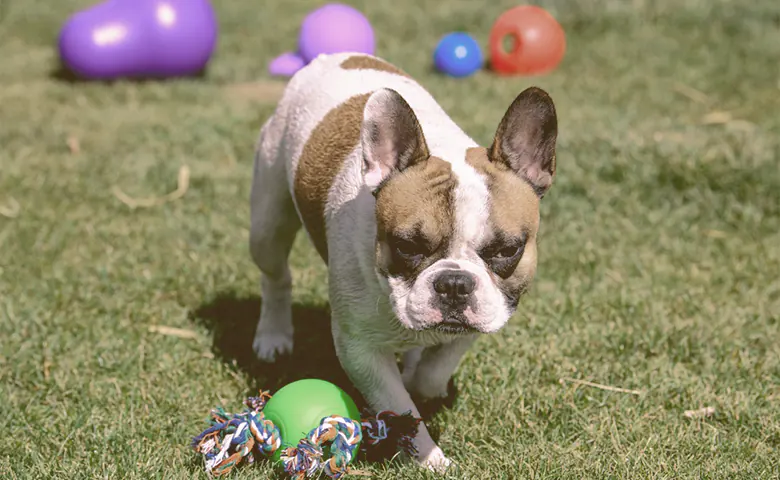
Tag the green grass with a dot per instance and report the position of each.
(659, 258)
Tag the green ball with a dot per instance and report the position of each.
(296, 409)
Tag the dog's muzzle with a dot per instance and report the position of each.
(454, 294)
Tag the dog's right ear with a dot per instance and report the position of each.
(391, 137)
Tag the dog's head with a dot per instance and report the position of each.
(456, 238)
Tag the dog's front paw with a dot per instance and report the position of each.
(435, 461)
(268, 346)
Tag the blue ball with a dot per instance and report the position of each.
(457, 55)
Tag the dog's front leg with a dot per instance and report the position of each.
(429, 370)
(375, 374)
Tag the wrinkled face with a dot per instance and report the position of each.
(456, 242)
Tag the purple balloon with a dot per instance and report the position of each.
(139, 38)
(286, 64)
(335, 28)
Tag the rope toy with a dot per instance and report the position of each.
(263, 428)
(342, 433)
(232, 438)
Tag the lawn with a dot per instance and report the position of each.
(659, 268)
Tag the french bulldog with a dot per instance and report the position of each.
(429, 239)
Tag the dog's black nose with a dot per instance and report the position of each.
(454, 287)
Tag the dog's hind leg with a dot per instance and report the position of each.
(274, 225)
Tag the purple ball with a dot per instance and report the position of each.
(139, 38)
(335, 28)
(286, 64)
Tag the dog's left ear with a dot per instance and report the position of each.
(525, 139)
(391, 137)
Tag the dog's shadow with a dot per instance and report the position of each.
(233, 319)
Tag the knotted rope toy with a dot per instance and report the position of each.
(269, 425)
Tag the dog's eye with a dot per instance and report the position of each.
(507, 252)
(407, 248)
(503, 256)
(503, 253)
(410, 251)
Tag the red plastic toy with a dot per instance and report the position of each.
(538, 42)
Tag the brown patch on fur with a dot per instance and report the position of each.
(514, 212)
(417, 202)
(514, 204)
(331, 141)
(366, 62)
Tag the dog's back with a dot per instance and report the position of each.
(315, 131)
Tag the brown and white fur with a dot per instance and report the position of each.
(429, 239)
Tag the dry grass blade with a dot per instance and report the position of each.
(359, 473)
(74, 145)
(716, 118)
(704, 412)
(716, 234)
(691, 93)
(10, 208)
(46, 369)
(600, 386)
(181, 190)
(173, 331)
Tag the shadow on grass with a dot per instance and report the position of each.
(233, 321)
(63, 74)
